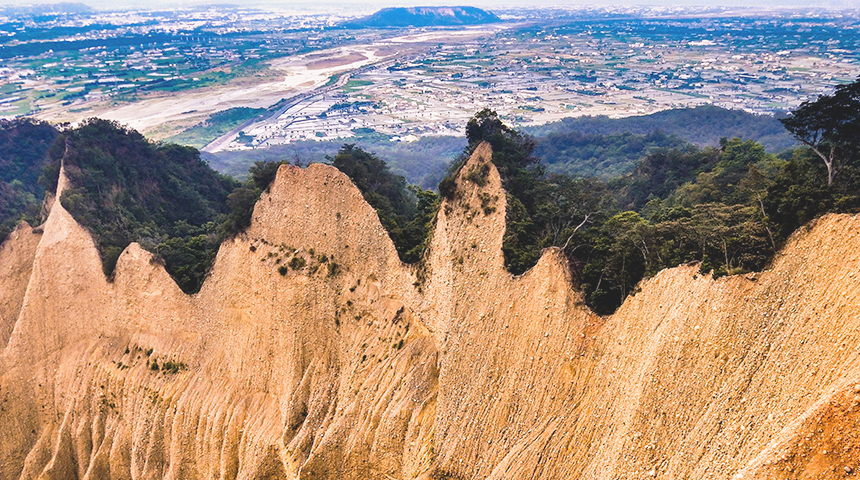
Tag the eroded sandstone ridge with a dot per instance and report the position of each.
(312, 352)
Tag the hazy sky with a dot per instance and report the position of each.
(364, 5)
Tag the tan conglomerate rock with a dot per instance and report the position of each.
(312, 352)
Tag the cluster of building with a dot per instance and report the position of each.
(531, 74)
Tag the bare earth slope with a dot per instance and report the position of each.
(311, 352)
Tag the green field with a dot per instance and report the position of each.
(216, 125)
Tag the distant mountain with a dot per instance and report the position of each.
(62, 8)
(425, 17)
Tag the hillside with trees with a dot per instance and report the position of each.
(126, 189)
(604, 156)
(727, 207)
(23, 146)
(704, 126)
(590, 146)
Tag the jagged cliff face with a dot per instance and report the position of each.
(311, 352)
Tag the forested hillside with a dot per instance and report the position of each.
(126, 189)
(23, 146)
(703, 126)
(422, 162)
(596, 155)
(591, 146)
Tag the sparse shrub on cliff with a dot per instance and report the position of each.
(443, 475)
(172, 367)
(478, 175)
(297, 263)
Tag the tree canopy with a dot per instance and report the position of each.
(23, 146)
(830, 126)
(124, 189)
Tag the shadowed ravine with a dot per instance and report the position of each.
(349, 364)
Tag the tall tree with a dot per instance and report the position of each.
(830, 126)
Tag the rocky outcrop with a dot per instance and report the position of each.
(312, 352)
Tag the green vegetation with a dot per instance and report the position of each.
(241, 200)
(126, 189)
(521, 174)
(172, 367)
(406, 212)
(216, 125)
(703, 126)
(167, 367)
(297, 263)
(728, 208)
(422, 162)
(354, 85)
(585, 146)
(830, 127)
(23, 146)
(606, 156)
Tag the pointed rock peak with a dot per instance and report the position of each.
(477, 173)
(483, 153)
(318, 209)
(480, 201)
(471, 222)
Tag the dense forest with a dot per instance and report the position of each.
(604, 156)
(621, 205)
(23, 147)
(126, 189)
(704, 126)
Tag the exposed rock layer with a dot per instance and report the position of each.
(312, 352)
